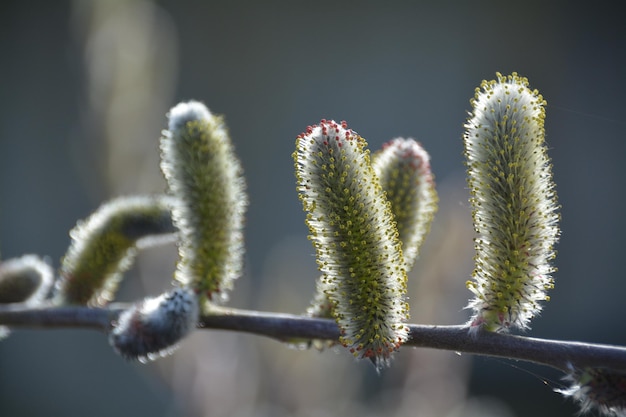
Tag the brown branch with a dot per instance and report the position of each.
(289, 327)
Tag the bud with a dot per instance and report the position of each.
(514, 204)
(153, 327)
(353, 233)
(597, 388)
(104, 246)
(403, 169)
(202, 171)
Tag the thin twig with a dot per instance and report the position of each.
(292, 328)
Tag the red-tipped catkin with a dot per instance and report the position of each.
(353, 232)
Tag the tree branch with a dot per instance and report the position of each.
(288, 327)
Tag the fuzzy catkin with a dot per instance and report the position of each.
(354, 235)
(403, 169)
(105, 244)
(26, 280)
(600, 389)
(202, 171)
(153, 327)
(514, 204)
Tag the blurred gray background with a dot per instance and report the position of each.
(84, 89)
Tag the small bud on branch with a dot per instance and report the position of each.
(153, 327)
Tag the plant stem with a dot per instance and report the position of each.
(288, 327)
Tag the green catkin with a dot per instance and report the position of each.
(514, 204)
(202, 171)
(104, 246)
(403, 169)
(352, 230)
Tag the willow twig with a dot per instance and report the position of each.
(289, 327)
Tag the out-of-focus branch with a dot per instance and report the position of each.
(289, 327)
(58, 317)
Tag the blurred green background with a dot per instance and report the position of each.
(84, 89)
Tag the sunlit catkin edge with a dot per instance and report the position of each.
(403, 169)
(153, 327)
(202, 171)
(104, 246)
(514, 204)
(598, 389)
(356, 242)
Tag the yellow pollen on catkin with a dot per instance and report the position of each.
(364, 276)
(515, 209)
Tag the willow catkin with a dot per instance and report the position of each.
(104, 245)
(153, 327)
(403, 169)
(514, 204)
(203, 173)
(355, 238)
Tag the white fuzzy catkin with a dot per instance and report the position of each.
(514, 204)
(202, 171)
(105, 244)
(403, 169)
(153, 327)
(27, 280)
(353, 233)
(600, 389)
